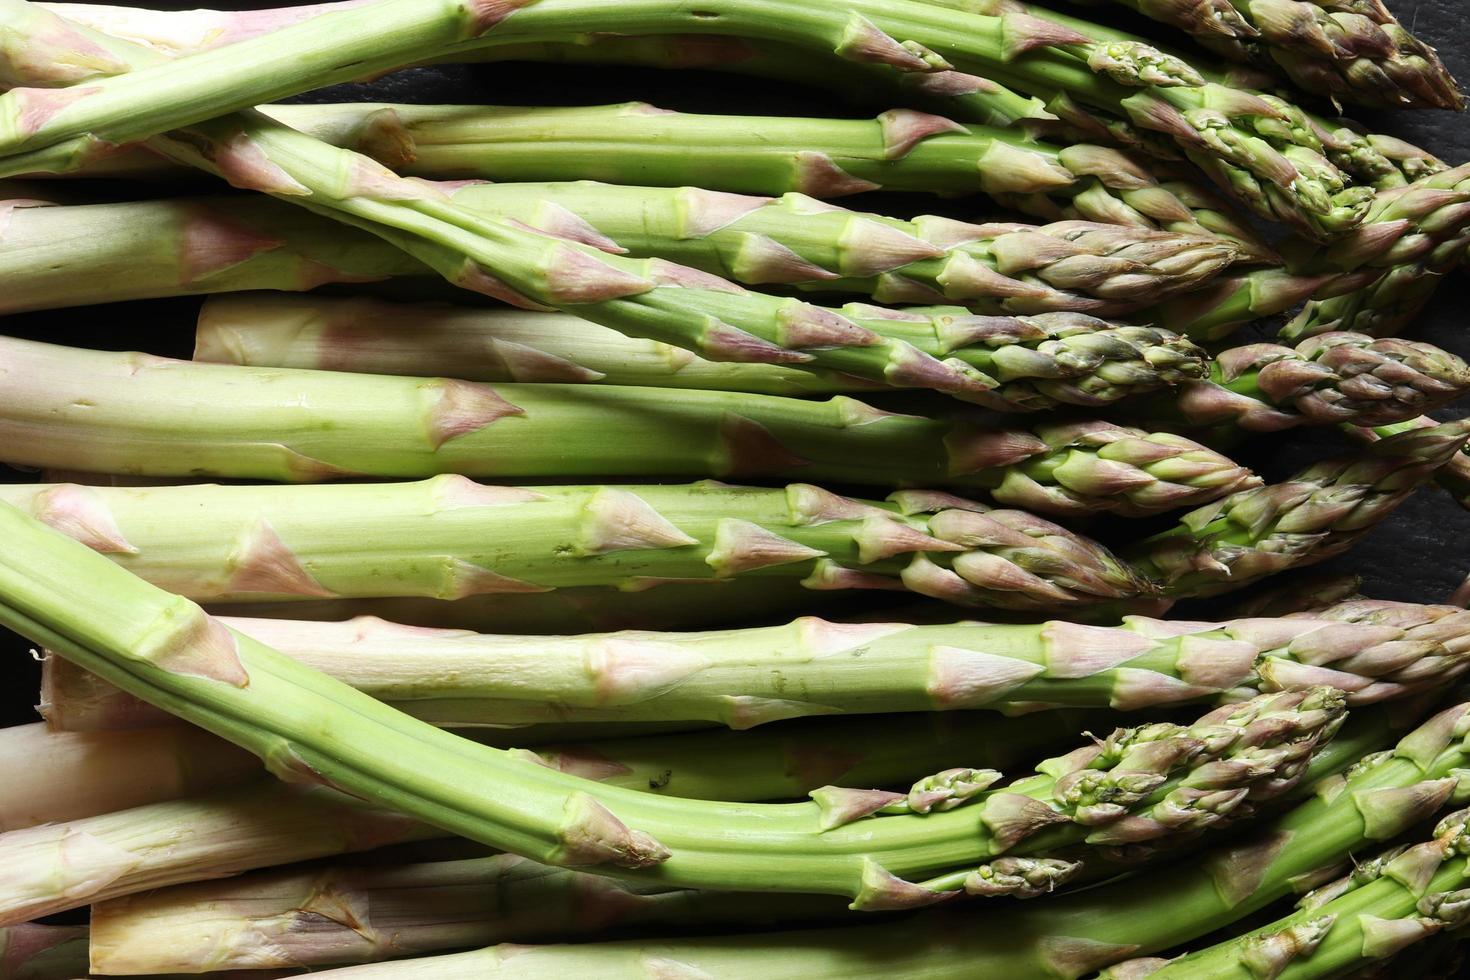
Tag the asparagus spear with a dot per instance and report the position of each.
(1219, 126)
(150, 416)
(1068, 936)
(1370, 651)
(289, 918)
(370, 336)
(1350, 51)
(447, 537)
(252, 695)
(55, 776)
(1318, 513)
(900, 150)
(1411, 894)
(1330, 379)
(795, 240)
(31, 951)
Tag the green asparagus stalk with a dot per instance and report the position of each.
(1330, 379)
(1304, 592)
(150, 416)
(506, 259)
(1318, 513)
(901, 150)
(1071, 936)
(59, 866)
(448, 537)
(1411, 895)
(743, 678)
(56, 776)
(797, 241)
(1183, 777)
(370, 336)
(31, 951)
(1351, 51)
(293, 918)
(1220, 127)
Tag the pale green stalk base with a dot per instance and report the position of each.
(56, 776)
(52, 868)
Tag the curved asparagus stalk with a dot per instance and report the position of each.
(285, 919)
(901, 150)
(1370, 651)
(448, 537)
(150, 416)
(1330, 379)
(1412, 895)
(1219, 126)
(1352, 51)
(1070, 936)
(1319, 513)
(55, 776)
(555, 818)
(31, 951)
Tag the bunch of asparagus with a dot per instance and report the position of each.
(496, 675)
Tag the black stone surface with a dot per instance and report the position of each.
(1420, 554)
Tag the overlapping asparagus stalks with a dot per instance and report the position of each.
(503, 258)
(256, 922)
(137, 414)
(1371, 651)
(1351, 51)
(1318, 513)
(1258, 387)
(1403, 897)
(1221, 128)
(900, 150)
(252, 695)
(1072, 936)
(448, 537)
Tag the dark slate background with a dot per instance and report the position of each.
(1420, 554)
